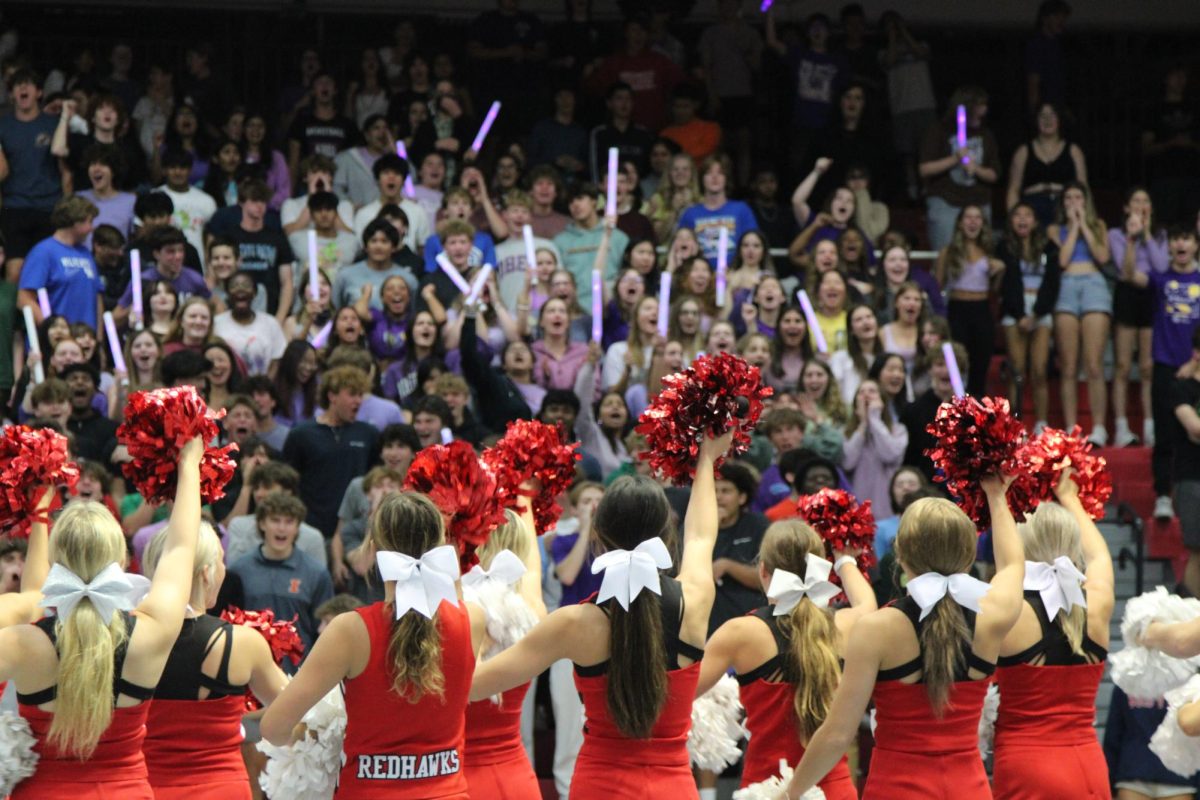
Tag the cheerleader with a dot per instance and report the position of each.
(497, 765)
(101, 661)
(405, 664)
(1052, 660)
(636, 645)
(786, 656)
(926, 660)
(194, 730)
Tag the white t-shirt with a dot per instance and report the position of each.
(257, 344)
(511, 266)
(193, 210)
(289, 212)
(333, 253)
(418, 222)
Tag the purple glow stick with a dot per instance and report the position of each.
(477, 286)
(766, 6)
(610, 199)
(477, 145)
(322, 336)
(135, 284)
(114, 342)
(444, 262)
(447, 436)
(402, 151)
(44, 302)
(597, 307)
(814, 325)
(722, 264)
(530, 253)
(961, 137)
(664, 303)
(314, 291)
(956, 381)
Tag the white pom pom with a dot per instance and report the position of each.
(308, 769)
(17, 758)
(773, 787)
(987, 720)
(1178, 752)
(509, 617)
(1148, 674)
(716, 726)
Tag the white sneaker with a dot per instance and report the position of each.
(1040, 426)
(1122, 436)
(1099, 436)
(1163, 507)
(1148, 433)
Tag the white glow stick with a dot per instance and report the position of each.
(443, 261)
(722, 264)
(610, 200)
(664, 302)
(477, 145)
(135, 282)
(39, 372)
(530, 253)
(322, 336)
(44, 302)
(478, 284)
(114, 342)
(961, 137)
(597, 306)
(956, 381)
(814, 326)
(447, 436)
(314, 290)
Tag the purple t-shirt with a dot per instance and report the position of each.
(1176, 315)
(585, 583)
(187, 284)
(386, 337)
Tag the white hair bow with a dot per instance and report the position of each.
(787, 589)
(1059, 584)
(931, 587)
(507, 568)
(627, 573)
(421, 583)
(110, 591)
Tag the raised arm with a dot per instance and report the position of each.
(800, 208)
(700, 522)
(1001, 606)
(22, 606)
(858, 591)
(1096, 557)
(1016, 171)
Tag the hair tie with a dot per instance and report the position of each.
(421, 583)
(787, 589)
(930, 588)
(627, 573)
(506, 570)
(1060, 584)
(110, 591)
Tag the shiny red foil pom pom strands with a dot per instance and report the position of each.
(157, 425)
(281, 635)
(842, 522)
(533, 452)
(28, 459)
(463, 490)
(1045, 457)
(717, 393)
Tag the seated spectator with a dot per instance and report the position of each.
(545, 187)
(193, 208)
(739, 536)
(378, 411)
(559, 140)
(784, 428)
(459, 208)
(390, 171)
(353, 565)
(699, 138)
(108, 248)
(259, 150)
(431, 419)
(51, 400)
(448, 130)
(336, 247)
(167, 247)
(366, 278)
(512, 267)
(63, 267)
(113, 207)
(355, 178)
(918, 414)
(629, 219)
(95, 434)
(244, 533)
(256, 338)
(716, 211)
(316, 175)
(581, 241)
(264, 252)
(457, 394)
(430, 183)
(108, 123)
(262, 390)
(805, 473)
(320, 129)
(904, 481)
(657, 75)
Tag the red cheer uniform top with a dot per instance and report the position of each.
(397, 749)
(193, 746)
(767, 694)
(1045, 745)
(115, 769)
(496, 762)
(610, 764)
(917, 755)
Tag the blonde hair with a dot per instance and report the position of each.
(513, 534)
(86, 540)
(936, 536)
(1049, 532)
(812, 656)
(208, 553)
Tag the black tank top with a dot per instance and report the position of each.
(671, 608)
(1061, 170)
(120, 685)
(1054, 649)
(971, 662)
(182, 678)
(778, 668)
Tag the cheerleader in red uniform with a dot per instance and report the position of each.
(507, 585)
(926, 660)
(83, 676)
(636, 645)
(786, 655)
(405, 663)
(1052, 660)
(194, 731)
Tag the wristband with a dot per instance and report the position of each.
(843, 561)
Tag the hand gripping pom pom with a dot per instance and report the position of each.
(773, 788)
(533, 451)
(308, 769)
(975, 439)
(157, 425)
(18, 759)
(1143, 673)
(281, 635)
(843, 523)
(717, 727)
(1178, 752)
(1043, 460)
(717, 393)
(31, 458)
(457, 483)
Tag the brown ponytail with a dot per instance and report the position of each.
(944, 638)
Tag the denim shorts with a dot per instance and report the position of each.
(1044, 321)
(1083, 294)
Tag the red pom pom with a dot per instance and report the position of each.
(1042, 463)
(975, 439)
(157, 425)
(281, 635)
(31, 458)
(533, 451)
(718, 392)
(452, 477)
(843, 522)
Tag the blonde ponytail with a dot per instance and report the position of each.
(813, 658)
(1048, 533)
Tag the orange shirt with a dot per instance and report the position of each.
(784, 509)
(698, 138)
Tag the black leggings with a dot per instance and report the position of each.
(972, 326)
